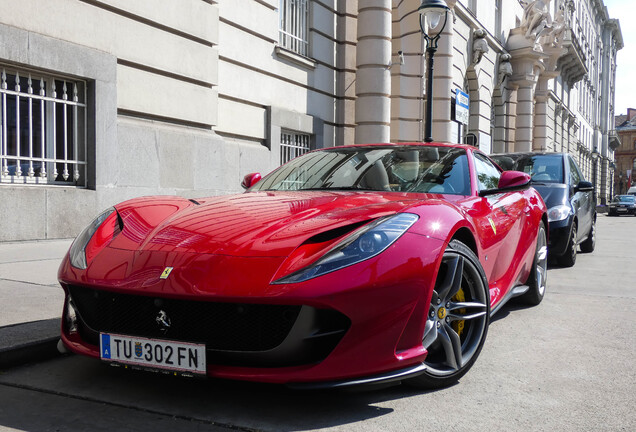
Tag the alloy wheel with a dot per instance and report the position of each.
(541, 262)
(458, 316)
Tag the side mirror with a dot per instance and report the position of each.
(584, 186)
(508, 182)
(250, 180)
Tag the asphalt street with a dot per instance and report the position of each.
(565, 365)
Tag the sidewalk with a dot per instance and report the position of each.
(31, 300)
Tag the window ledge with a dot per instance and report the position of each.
(295, 58)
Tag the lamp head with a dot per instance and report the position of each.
(432, 12)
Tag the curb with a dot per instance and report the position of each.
(29, 342)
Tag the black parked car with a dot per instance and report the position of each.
(568, 196)
(622, 204)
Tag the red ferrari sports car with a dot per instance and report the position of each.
(350, 265)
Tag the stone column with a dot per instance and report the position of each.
(407, 79)
(558, 129)
(525, 117)
(573, 128)
(346, 72)
(499, 134)
(603, 194)
(511, 119)
(527, 66)
(373, 76)
(543, 117)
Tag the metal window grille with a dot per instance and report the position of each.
(294, 25)
(292, 145)
(42, 129)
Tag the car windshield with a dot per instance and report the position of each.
(425, 169)
(625, 198)
(542, 168)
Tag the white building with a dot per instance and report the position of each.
(104, 100)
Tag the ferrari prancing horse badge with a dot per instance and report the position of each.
(166, 273)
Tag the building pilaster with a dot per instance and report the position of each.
(373, 76)
(527, 66)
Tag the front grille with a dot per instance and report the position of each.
(234, 333)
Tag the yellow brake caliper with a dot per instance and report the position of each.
(458, 326)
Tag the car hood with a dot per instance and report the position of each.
(553, 194)
(261, 224)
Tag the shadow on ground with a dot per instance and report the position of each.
(71, 391)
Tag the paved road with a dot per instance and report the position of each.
(566, 365)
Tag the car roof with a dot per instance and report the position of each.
(521, 154)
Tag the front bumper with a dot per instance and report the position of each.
(382, 303)
(622, 210)
(559, 236)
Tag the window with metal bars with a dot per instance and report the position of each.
(293, 144)
(293, 27)
(42, 129)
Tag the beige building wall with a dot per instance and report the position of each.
(183, 99)
(189, 97)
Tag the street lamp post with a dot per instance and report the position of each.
(595, 156)
(431, 13)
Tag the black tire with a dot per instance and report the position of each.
(590, 243)
(568, 259)
(458, 318)
(539, 273)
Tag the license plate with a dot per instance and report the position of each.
(153, 353)
(622, 209)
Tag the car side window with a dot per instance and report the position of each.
(575, 174)
(487, 173)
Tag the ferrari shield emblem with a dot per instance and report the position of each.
(492, 224)
(138, 349)
(166, 273)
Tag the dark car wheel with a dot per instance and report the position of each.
(590, 243)
(539, 274)
(568, 259)
(458, 318)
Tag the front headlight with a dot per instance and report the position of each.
(364, 243)
(558, 213)
(87, 244)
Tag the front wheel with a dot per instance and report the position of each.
(568, 259)
(458, 318)
(539, 273)
(590, 243)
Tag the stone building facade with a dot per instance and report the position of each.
(625, 155)
(104, 100)
(174, 97)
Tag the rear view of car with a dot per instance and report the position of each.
(568, 196)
